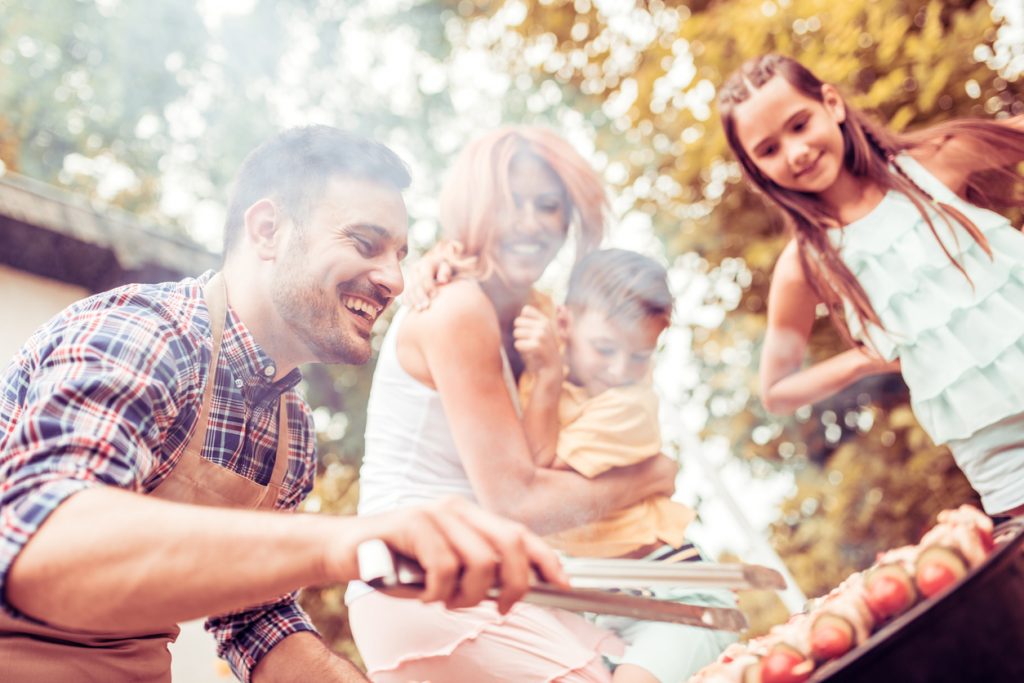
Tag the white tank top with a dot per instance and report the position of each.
(410, 456)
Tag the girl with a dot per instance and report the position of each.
(895, 235)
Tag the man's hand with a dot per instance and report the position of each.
(434, 269)
(535, 340)
(464, 550)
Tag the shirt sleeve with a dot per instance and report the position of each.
(616, 428)
(92, 405)
(244, 638)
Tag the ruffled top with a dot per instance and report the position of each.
(960, 343)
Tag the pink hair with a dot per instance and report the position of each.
(476, 193)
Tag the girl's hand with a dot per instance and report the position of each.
(886, 366)
(874, 364)
(436, 268)
(534, 338)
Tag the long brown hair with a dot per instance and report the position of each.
(869, 150)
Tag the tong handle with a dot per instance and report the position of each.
(383, 568)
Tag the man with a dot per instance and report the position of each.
(134, 420)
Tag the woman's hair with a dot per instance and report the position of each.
(869, 150)
(620, 284)
(476, 192)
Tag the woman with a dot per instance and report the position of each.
(443, 419)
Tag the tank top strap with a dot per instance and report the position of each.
(925, 180)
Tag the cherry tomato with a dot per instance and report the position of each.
(785, 665)
(830, 638)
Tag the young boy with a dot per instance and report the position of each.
(617, 306)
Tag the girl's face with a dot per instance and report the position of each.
(793, 140)
(534, 228)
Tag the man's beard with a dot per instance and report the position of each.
(316, 317)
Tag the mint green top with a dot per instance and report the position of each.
(960, 343)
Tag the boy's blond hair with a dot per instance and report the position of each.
(621, 284)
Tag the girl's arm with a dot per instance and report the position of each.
(791, 303)
(458, 340)
(955, 158)
(537, 345)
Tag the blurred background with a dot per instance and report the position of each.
(131, 116)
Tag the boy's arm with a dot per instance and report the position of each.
(536, 343)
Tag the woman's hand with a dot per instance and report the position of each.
(434, 269)
(534, 338)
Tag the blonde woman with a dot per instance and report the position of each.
(443, 419)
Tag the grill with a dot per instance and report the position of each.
(973, 633)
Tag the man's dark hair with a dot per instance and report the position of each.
(294, 167)
(621, 284)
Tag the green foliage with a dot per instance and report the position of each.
(79, 80)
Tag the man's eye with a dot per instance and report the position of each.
(549, 207)
(607, 353)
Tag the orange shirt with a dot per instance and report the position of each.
(616, 428)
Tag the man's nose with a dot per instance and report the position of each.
(388, 276)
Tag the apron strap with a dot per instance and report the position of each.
(215, 293)
(270, 493)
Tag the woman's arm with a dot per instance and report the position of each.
(458, 341)
(791, 303)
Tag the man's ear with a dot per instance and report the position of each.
(833, 102)
(263, 223)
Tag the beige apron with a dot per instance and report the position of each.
(36, 653)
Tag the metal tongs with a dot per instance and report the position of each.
(595, 585)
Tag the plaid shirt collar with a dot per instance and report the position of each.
(252, 368)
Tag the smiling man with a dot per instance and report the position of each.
(151, 438)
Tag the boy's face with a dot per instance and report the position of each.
(604, 352)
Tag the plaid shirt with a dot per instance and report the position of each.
(107, 393)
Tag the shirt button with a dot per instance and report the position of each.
(269, 371)
(239, 383)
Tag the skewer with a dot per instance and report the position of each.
(595, 584)
(608, 573)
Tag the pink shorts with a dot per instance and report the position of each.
(404, 641)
